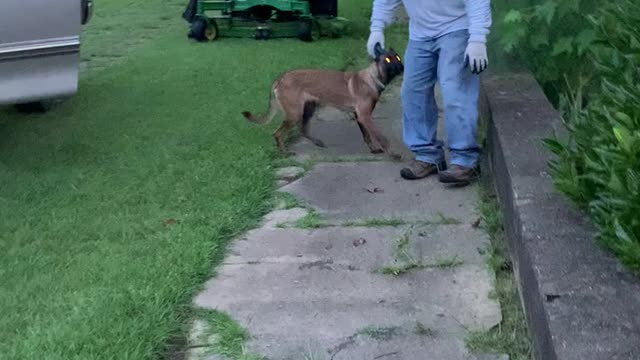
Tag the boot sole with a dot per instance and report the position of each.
(408, 175)
(457, 182)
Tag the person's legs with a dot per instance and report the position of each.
(460, 91)
(420, 112)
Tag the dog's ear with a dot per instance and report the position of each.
(378, 50)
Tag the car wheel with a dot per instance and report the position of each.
(35, 106)
(87, 10)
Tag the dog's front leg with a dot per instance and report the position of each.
(383, 140)
(363, 116)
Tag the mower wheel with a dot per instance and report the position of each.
(308, 30)
(203, 30)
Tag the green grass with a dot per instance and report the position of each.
(116, 205)
(229, 338)
(284, 200)
(511, 336)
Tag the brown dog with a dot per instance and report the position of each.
(297, 93)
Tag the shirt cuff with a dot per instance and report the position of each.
(377, 25)
(481, 38)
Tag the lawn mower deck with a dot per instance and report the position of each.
(262, 19)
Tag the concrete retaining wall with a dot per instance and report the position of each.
(581, 304)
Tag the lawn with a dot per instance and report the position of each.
(116, 205)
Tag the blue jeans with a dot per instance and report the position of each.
(442, 59)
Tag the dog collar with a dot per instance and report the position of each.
(379, 85)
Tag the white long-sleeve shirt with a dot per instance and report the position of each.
(429, 19)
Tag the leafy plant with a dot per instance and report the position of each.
(598, 165)
(551, 37)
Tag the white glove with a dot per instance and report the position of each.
(476, 57)
(374, 37)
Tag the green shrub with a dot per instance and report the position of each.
(598, 165)
(586, 55)
(551, 37)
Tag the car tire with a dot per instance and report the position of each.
(87, 11)
(35, 106)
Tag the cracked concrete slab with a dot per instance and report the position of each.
(342, 191)
(288, 286)
(361, 246)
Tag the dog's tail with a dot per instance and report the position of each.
(271, 110)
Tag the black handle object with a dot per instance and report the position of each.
(378, 50)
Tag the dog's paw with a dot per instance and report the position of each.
(376, 149)
(319, 143)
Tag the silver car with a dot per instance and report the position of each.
(40, 50)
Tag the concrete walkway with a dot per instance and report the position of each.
(381, 269)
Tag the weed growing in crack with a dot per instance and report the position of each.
(401, 249)
(395, 222)
(310, 221)
(375, 222)
(380, 333)
(408, 262)
(445, 220)
(422, 330)
(397, 270)
(450, 262)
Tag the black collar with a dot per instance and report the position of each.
(379, 85)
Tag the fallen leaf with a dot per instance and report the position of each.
(169, 222)
(374, 190)
(359, 242)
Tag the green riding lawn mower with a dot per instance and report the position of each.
(263, 19)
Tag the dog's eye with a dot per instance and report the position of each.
(387, 60)
(398, 57)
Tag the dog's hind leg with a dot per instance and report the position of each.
(280, 132)
(293, 111)
(309, 109)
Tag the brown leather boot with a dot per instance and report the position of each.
(459, 175)
(418, 170)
